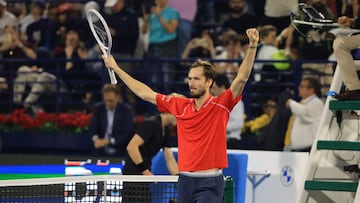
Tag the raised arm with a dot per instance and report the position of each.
(244, 71)
(133, 149)
(140, 89)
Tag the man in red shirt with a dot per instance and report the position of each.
(201, 123)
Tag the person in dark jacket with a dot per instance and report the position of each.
(111, 126)
(124, 28)
(272, 137)
(69, 72)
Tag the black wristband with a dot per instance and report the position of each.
(142, 166)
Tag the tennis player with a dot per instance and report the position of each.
(201, 123)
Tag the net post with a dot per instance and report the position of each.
(229, 190)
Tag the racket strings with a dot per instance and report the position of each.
(101, 32)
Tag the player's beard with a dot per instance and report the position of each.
(198, 95)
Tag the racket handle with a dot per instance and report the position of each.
(112, 76)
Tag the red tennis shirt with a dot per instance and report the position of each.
(201, 133)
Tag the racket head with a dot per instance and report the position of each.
(100, 30)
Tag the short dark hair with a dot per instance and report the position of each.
(222, 80)
(209, 68)
(315, 84)
(111, 88)
(265, 30)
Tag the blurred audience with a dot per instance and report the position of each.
(232, 50)
(236, 118)
(256, 125)
(268, 50)
(273, 134)
(61, 24)
(200, 47)
(124, 29)
(240, 18)
(277, 13)
(70, 69)
(38, 31)
(162, 21)
(6, 18)
(4, 95)
(13, 48)
(187, 10)
(169, 25)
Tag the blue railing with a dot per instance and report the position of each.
(145, 70)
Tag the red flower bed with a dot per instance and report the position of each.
(44, 122)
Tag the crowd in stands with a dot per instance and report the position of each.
(34, 33)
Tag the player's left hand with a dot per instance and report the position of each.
(147, 172)
(100, 143)
(253, 35)
(110, 62)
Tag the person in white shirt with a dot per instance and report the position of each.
(236, 118)
(307, 114)
(6, 18)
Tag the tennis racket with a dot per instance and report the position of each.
(101, 32)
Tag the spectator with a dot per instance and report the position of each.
(206, 12)
(12, 48)
(6, 18)
(124, 28)
(162, 23)
(236, 118)
(307, 114)
(200, 47)
(84, 28)
(254, 128)
(234, 50)
(36, 13)
(272, 135)
(61, 24)
(256, 125)
(187, 10)
(67, 72)
(4, 95)
(267, 50)
(111, 124)
(240, 18)
(342, 49)
(38, 32)
(201, 123)
(277, 13)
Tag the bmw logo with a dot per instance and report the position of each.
(287, 176)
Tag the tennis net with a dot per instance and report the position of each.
(86, 189)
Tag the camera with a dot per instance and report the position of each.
(314, 15)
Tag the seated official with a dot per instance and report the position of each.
(111, 126)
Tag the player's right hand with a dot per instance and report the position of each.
(345, 21)
(109, 61)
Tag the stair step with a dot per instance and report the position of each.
(331, 186)
(344, 105)
(338, 145)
